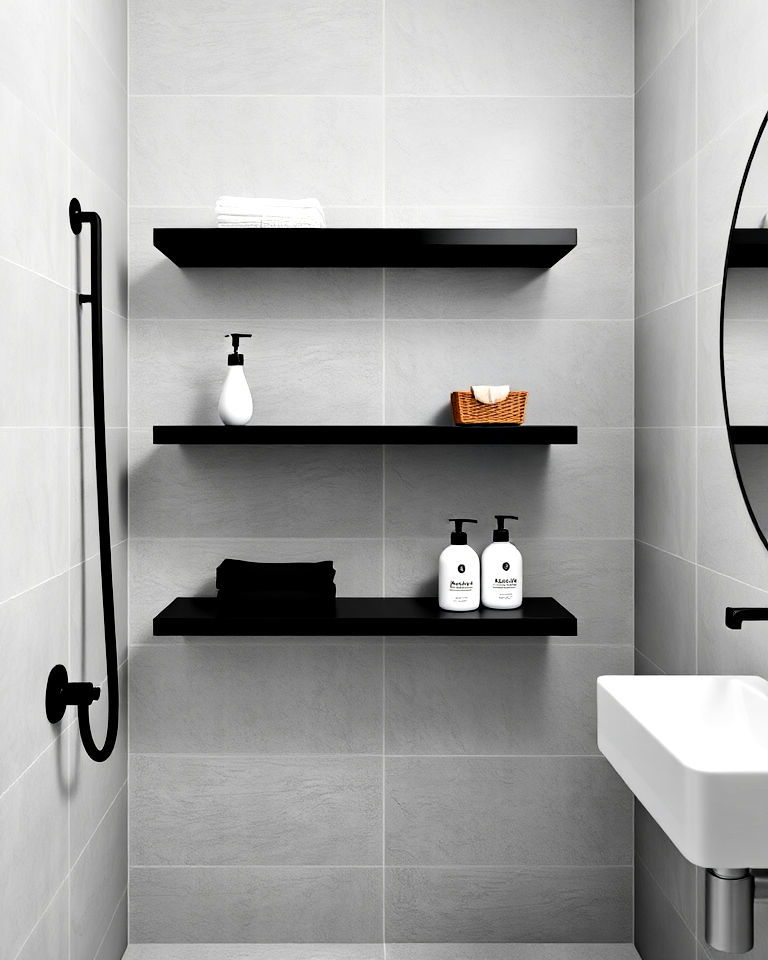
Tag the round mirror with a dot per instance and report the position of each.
(744, 334)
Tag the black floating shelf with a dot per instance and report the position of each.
(363, 247)
(374, 434)
(365, 617)
(746, 434)
(748, 248)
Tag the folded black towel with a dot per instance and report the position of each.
(236, 604)
(247, 577)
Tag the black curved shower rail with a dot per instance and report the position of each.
(60, 691)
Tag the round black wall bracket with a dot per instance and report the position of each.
(75, 218)
(56, 691)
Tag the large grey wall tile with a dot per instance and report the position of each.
(665, 366)
(33, 846)
(565, 491)
(475, 698)
(268, 491)
(659, 24)
(34, 631)
(245, 810)
(506, 810)
(665, 126)
(665, 505)
(40, 400)
(335, 151)
(166, 568)
(98, 116)
(660, 932)
(732, 73)
(241, 47)
(34, 58)
(593, 282)
(592, 578)
(672, 872)
(539, 357)
(665, 604)
(98, 881)
(33, 522)
(298, 698)
(520, 48)
(34, 231)
(299, 372)
(665, 252)
(478, 904)
(106, 23)
(498, 159)
(260, 904)
(160, 289)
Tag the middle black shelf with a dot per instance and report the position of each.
(362, 433)
(365, 617)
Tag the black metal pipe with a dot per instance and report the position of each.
(60, 691)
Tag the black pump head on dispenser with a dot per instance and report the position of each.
(458, 536)
(236, 359)
(501, 533)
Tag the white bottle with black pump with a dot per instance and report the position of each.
(502, 569)
(235, 400)
(459, 572)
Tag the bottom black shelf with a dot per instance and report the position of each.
(367, 616)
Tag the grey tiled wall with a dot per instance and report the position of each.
(416, 789)
(702, 90)
(63, 835)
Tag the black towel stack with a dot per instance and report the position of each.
(245, 587)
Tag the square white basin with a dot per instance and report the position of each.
(694, 751)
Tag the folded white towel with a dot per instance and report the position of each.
(490, 394)
(269, 212)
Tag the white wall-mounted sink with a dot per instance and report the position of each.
(694, 751)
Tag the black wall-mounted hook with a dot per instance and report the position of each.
(735, 616)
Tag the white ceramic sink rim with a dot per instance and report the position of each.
(694, 750)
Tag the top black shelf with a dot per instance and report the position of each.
(373, 434)
(748, 248)
(363, 247)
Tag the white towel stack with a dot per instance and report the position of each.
(269, 212)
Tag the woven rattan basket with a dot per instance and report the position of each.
(468, 410)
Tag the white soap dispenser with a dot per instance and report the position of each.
(502, 569)
(235, 400)
(459, 572)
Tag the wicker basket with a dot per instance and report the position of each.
(468, 410)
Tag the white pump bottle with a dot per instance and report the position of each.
(235, 400)
(459, 572)
(502, 569)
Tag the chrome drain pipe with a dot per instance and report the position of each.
(730, 907)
